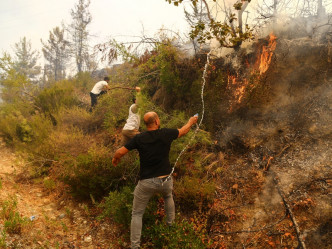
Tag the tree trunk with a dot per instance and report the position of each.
(240, 14)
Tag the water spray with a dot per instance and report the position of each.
(202, 116)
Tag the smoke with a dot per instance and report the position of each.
(288, 130)
(188, 49)
(295, 125)
(292, 26)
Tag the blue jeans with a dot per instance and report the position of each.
(144, 190)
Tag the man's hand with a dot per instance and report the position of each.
(193, 120)
(118, 154)
(138, 89)
(106, 88)
(115, 161)
(186, 128)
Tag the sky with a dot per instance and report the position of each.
(118, 19)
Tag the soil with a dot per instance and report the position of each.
(53, 220)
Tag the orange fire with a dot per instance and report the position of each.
(238, 88)
(240, 91)
(266, 56)
(239, 85)
(231, 79)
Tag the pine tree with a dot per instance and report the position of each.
(78, 32)
(55, 52)
(25, 60)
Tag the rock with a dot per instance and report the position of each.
(88, 239)
(33, 217)
(61, 216)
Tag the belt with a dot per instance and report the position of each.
(165, 178)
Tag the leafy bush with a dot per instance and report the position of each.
(169, 77)
(118, 206)
(28, 122)
(13, 222)
(3, 236)
(88, 175)
(14, 85)
(112, 109)
(19, 128)
(180, 235)
(194, 193)
(78, 118)
(51, 99)
(8, 126)
(92, 173)
(155, 232)
(13, 119)
(84, 81)
(24, 131)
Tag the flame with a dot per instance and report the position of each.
(241, 90)
(232, 79)
(267, 53)
(238, 86)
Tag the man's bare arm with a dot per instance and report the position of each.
(106, 88)
(135, 108)
(186, 128)
(118, 154)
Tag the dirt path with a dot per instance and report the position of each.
(53, 221)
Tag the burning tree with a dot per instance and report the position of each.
(275, 143)
(274, 157)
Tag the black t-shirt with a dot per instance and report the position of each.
(153, 147)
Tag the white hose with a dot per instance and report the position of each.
(202, 116)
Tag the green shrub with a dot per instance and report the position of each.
(118, 206)
(193, 193)
(3, 236)
(92, 173)
(180, 235)
(155, 232)
(24, 131)
(114, 108)
(14, 85)
(170, 79)
(49, 184)
(88, 176)
(62, 143)
(13, 222)
(14, 125)
(8, 127)
(51, 99)
(78, 118)
(84, 81)
(41, 128)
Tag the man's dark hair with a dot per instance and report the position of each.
(106, 78)
(134, 99)
(150, 120)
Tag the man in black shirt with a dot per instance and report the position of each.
(153, 146)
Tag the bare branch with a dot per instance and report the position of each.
(289, 210)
